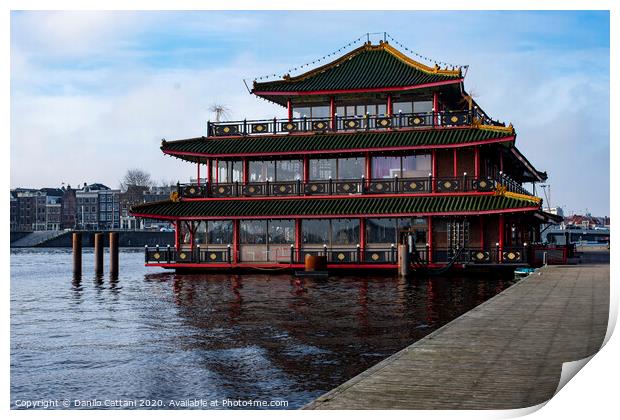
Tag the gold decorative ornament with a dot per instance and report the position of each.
(174, 196)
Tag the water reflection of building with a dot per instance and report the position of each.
(317, 334)
(374, 144)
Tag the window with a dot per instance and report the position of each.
(253, 232)
(414, 166)
(288, 170)
(330, 232)
(261, 171)
(281, 231)
(229, 171)
(315, 231)
(311, 112)
(343, 168)
(345, 231)
(381, 231)
(404, 107)
(219, 232)
(422, 106)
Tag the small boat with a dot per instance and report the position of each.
(524, 271)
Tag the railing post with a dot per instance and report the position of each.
(298, 186)
(146, 254)
(363, 189)
(464, 188)
(237, 189)
(168, 253)
(228, 254)
(325, 250)
(208, 128)
(245, 127)
(330, 189)
(267, 188)
(275, 125)
(197, 253)
(393, 253)
(292, 253)
(428, 256)
(396, 189)
(430, 182)
(400, 118)
(359, 253)
(305, 127)
(367, 124)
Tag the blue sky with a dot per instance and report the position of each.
(93, 93)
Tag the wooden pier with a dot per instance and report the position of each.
(504, 354)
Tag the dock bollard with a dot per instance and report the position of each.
(77, 254)
(114, 254)
(98, 254)
(403, 260)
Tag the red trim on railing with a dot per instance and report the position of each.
(366, 90)
(343, 266)
(336, 151)
(338, 215)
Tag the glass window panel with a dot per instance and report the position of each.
(200, 237)
(322, 169)
(340, 110)
(360, 110)
(253, 232)
(261, 171)
(222, 167)
(423, 106)
(288, 170)
(301, 112)
(371, 109)
(184, 236)
(416, 166)
(381, 231)
(350, 111)
(219, 232)
(382, 109)
(345, 231)
(385, 167)
(320, 112)
(237, 171)
(404, 107)
(281, 231)
(315, 231)
(351, 168)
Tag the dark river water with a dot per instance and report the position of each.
(159, 338)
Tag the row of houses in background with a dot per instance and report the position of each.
(89, 207)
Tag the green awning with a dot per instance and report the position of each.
(350, 206)
(192, 149)
(367, 67)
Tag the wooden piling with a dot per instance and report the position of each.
(98, 254)
(114, 254)
(77, 254)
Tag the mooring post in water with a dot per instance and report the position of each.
(98, 254)
(403, 260)
(77, 254)
(114, 254)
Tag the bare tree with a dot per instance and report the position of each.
(221, 111)
(136, 177)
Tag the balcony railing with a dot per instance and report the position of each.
(340, 123)
(348, 187)
(469, 255)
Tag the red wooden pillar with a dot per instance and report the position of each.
(289, 109)
(501, 236)
(306, 169)
(235, 244)
(477, 162)
(433, 169)
(217, 171)
(435, 108)
(429, 222)
(456, 169)
(390, 105)
(246, 170)
(198, 171)
(298, 240)
(332, 113)
(209, 170)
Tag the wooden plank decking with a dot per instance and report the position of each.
(507, 353)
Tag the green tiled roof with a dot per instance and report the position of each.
(367, 67)
(283, 144)
(331, 206)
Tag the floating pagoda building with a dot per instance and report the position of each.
(377, 150)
